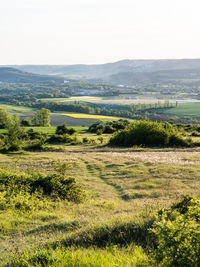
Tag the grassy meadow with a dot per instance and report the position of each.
(124, 189)
(191, 110)
(12, 109)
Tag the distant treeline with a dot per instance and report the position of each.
(136, 111)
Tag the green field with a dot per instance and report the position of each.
(21, 110)
(185, 110)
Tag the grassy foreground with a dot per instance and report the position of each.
(125, 188)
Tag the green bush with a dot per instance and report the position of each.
(178, 234)
(63, 129)
(58, 138)
(33, 134)
(55, 185)
(100, 127)
(148, 133)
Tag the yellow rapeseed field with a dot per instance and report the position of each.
(88, 116)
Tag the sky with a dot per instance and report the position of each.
(97, 31)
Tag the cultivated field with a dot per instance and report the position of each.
(88, 116)
(112, 100)
(71, 119)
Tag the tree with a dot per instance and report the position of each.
(3, 118)
(14, 139)
(43, 117)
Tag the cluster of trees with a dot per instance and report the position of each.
(150, 106)
(15, 134)
(40, 118)
(16, 137)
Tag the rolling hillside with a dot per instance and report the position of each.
(11, 75)
(103, 71)
(184, 76)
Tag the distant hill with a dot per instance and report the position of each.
(102, 71)
(125, 72)
(183, 76)
(12, 75)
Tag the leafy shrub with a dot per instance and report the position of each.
(63, 129)
(58, 138)
(54, 185)
(100, 139)
(26, 122)
(37, 145)
(178, 234)
(85, 140)
(100, 127)
(33, 134)
(148, 133)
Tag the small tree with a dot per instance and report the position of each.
(3, 118)
(43, 117)
(15, 134)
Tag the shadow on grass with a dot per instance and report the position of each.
(109, 235)
(12, 153)
(65, 227)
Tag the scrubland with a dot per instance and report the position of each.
(125, 188)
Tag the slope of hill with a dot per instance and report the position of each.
(102, 71)
(179, 76)
(11, 75)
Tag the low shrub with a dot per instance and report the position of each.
(100, 127)
(55, 185)
(58, 138)
(33, 134)
(177, 231)
(63, 129)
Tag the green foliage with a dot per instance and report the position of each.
(63, 129)
(85, 140)
(65, 138)
(21, 188)
(100, 127)
(33, 134)
(148, 133)
(178, 234)
(26, 122)
(14, 139)
(43, 117)
(38, 144)
(3, 118)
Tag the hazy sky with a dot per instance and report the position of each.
(97, 31)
